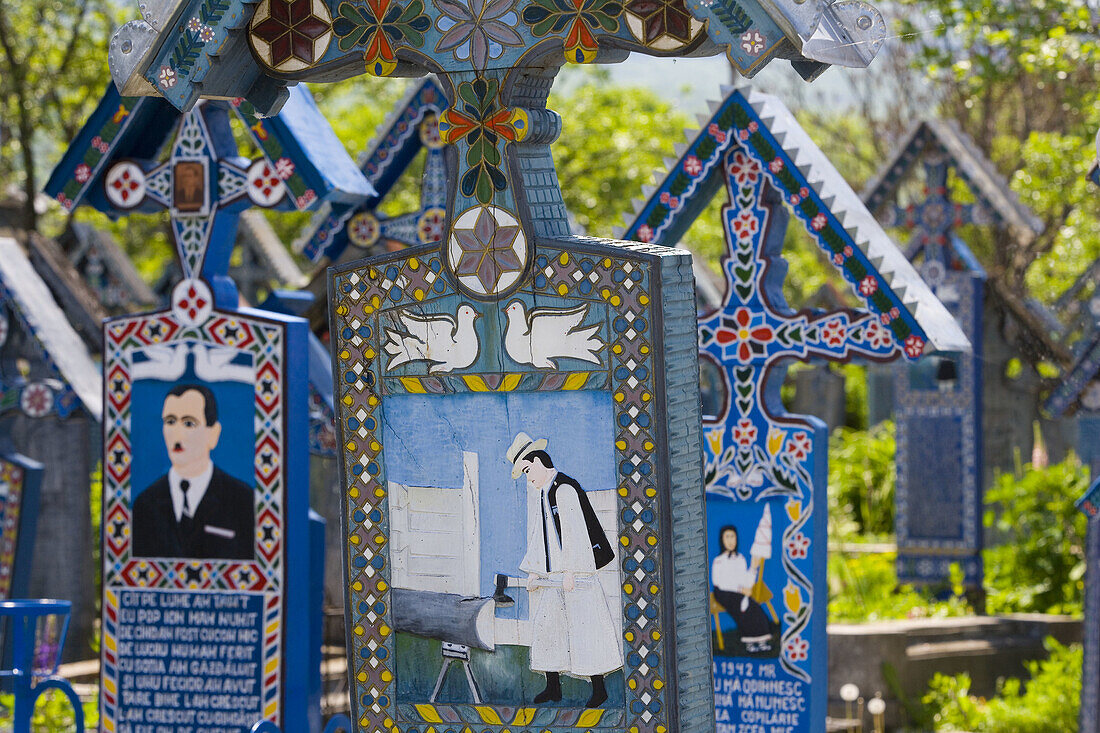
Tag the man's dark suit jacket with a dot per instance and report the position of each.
(223, 527)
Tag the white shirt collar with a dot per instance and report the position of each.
(195, 490)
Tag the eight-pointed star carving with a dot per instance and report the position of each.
(487, 250)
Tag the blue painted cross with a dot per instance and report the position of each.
(414, 126)
(939, 400)
(498, 60)
(932, 221)
(765, 468)
(204, 183)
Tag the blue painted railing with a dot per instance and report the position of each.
(36, 631)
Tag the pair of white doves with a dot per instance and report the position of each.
(538, 337)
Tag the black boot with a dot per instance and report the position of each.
(599, 692)
(552, 693)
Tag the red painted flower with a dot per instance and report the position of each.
(885, 318)
(818, 222)
(744, 169)
(36, 399)
(914, 346)
(799, 446)
(798, 546)
(876, 335)
(748, 338)
(838, 259)
(776, 165)
(795, 199)
(82, 173)
(745, 225)
(669, 200)
(692, 165)
(743, 134)
(834, 332)
(645, 233)
(753, 127)
(797, 649)
(803, 192)
(716, 132)
(894, 312)
(868, 286)
(744, 432)
(306, 198)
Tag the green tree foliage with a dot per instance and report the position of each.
(863, 588)
(52, 71)
(1049, 704)
(612, 139)
(1021, 77)
(862, 480)
(1039, 563)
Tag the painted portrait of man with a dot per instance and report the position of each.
(196, 510)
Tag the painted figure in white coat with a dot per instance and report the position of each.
(573, 631)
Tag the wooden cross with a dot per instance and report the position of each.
(204, 182)
(497, 58)
(764, 467)
(412, 126)
(939, 432)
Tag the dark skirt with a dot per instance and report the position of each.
(751, 622)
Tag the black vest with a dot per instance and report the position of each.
(602, 552)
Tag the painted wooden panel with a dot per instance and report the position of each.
(765, 469)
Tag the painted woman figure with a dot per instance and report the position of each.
(733, 579)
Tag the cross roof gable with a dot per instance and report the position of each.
(139, 128)
(43, 319)
(985, 182)
(766, 130)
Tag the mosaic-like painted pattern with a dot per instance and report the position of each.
(11, 499)
(619, 289)
(263, 340)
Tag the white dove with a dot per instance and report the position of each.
(542, 335)
(448, 342)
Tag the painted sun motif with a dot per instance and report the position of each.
(487, 249)
(290, 35)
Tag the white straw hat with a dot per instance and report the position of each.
(522, 446)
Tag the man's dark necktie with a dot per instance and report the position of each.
(185, 517)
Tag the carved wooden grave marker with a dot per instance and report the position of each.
(939, 400)
(208, 613)
(765, 469)
(518, 324)
(1089, 717)
(50, 401)
(445, 391)
(1078, 393)
(413, 126)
